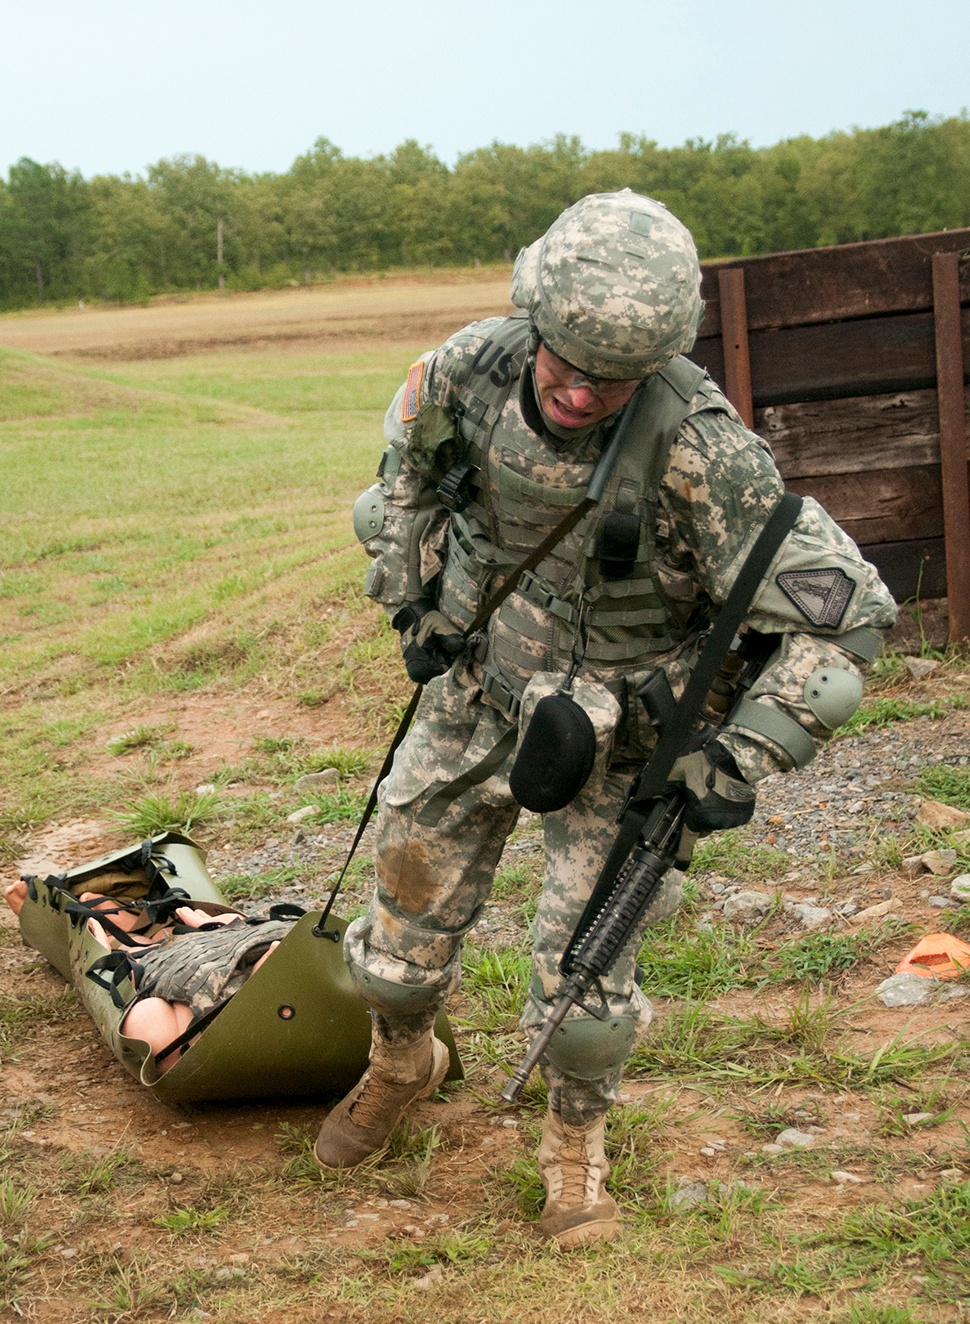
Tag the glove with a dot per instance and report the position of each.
(715, 793)
(429, 641)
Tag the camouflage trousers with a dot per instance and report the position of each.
(445, 814)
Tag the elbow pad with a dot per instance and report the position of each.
(368, 513)
(833, 695)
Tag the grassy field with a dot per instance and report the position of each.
(167, 528)
(179, 603)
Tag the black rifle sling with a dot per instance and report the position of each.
(681, 721)
(594, 492)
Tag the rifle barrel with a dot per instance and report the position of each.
(572, 991)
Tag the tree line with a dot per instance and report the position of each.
(190, 224)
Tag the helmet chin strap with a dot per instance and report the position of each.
(537, 421)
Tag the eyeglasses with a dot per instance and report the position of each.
(605, 388)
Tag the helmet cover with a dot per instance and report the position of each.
(613, 286)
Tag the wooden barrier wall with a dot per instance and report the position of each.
(852, 361)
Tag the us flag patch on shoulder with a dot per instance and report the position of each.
(411, 404)
(820, 595)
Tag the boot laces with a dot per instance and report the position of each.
(574, 1168)
(379, 1096)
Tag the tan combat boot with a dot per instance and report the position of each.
(573, 1168)
(361, 1124)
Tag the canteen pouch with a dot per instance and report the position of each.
(565, 735)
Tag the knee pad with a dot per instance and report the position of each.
(588, 1049)
(388, 996)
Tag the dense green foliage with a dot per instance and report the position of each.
(64, 237)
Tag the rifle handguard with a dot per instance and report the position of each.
(599, 940)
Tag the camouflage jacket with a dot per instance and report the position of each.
(702, 497)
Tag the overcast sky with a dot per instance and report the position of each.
(108, 86)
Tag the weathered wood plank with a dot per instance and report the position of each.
(881, 505)
(910, 569)
(734, 343)
(955, 489)
(826, 284)
(892, 431)
(868, 357)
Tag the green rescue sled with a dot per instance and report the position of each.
(296, 1027)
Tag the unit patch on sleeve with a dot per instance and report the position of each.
(411, 404)
(820, 595)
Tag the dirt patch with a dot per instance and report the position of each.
(220, 729)
(332, 318)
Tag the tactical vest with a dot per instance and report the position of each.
(628, 621)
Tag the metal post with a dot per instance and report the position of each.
(953, 441)
(734, 340)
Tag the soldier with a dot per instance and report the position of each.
(491, 439)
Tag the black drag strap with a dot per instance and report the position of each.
(320, 928)
(191, 1031)
(109, 972)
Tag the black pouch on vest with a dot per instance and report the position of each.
(556, 755)
(618, 544)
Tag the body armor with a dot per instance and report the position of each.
(627, 620)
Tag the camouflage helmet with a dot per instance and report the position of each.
(613, 286)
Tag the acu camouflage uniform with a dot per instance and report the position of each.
(701, 498)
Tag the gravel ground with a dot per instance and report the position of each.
(857, 789)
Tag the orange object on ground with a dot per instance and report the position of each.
(938, 955)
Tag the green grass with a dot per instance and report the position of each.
(285, 758)
(734, 855)
(882, 710)
(157, 811)
(680, 960)
(341, 807)
(809, 1047)
(928, 1237)
(139, 737)
(23, 1014)
(820, 956)
(192, 1222)
(93, 1175)
(162, 534)
(949, 785)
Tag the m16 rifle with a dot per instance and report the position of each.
(651, 824)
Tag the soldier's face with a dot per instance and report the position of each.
(571, 398)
